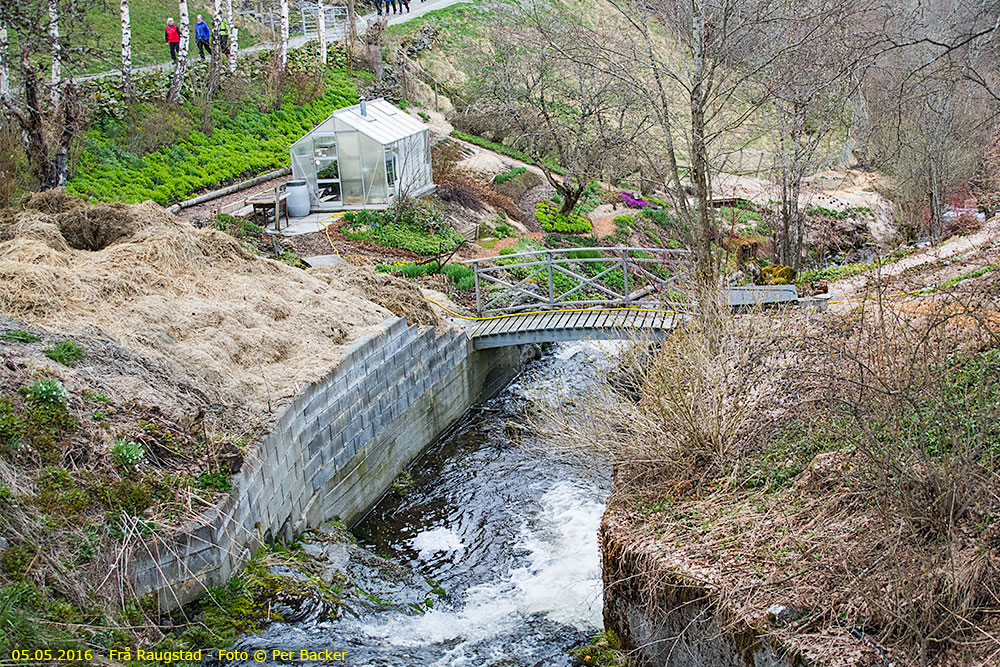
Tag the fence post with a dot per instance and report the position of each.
(628, 292)
(552, 293)
(479, 299)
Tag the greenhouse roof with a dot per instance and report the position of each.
(382, 121)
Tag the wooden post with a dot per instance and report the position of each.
(277, 209)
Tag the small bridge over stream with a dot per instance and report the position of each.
(546, 296)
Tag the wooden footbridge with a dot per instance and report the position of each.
(548, 296)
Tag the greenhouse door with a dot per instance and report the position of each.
(327, 164)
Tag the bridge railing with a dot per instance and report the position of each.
(583, 277)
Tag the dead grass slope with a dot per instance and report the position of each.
(246, 330)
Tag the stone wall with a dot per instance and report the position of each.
(332, 452)
(665, 618)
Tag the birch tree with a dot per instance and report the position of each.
(180, 68)
(4, 63)
(233, 31)
(284, 34)
(321, 29)
(126, 50)
(56, 52)
(47, 110)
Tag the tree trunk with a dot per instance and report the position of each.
(212, 85)
(570, 197)
(4, 64)
(321, 29)
(56, 50)
(352, 36)
(284, 34)
(174, 95)
(126, 50)
(233, 34)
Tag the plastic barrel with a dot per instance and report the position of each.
(298, 199)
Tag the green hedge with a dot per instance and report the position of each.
(513, 173)
(249, 143)
(550, 219)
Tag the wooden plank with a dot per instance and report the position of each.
(546, 323)
(490, 326)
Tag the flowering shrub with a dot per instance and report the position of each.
(633, 202)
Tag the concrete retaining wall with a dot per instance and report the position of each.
(332, 452)
(665, 618)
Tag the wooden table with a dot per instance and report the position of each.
(271, 200)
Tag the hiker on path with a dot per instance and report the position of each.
(390, 3)
(378, 6)
(173, 39)
(201, 37)
(224, 36)
(404, 3)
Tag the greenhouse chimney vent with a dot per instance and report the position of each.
(364, 107)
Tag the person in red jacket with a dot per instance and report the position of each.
(173, 39)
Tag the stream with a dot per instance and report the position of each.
(509, 534)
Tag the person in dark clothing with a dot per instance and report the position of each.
(404, 3)
(390, 3)
(201, 37)
(173, 36)
(378, 6)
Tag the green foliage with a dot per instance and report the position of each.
(215, 480)
(415, 225)
(852, 269)
(789, 452)
(245, 143)
(127, 495)
(460, 275)
(975, 273)
(504, 231)
(604, 650)
(20, 337)
(59, 493)
(741, 216)
(552, 221)
(12, 428)
(65, 352)
(128, 454)
(505, 150)
(17, 558)
(47, 391)
(849, 212)
(513, 173)
(623, 227)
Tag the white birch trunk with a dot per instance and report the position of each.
(174, 95)
(4, 64)
(216, 26)
(56, 76)
(126, 49)
(232, 35)
(321, 28)
(284, 33)
(234, 46)
(182, 16)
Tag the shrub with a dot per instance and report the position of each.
(47, 391)
(513, 173)
(417, 227)
(65, 352)
(623, 227)
(504, 231)
(552, 221)
(20, 337)
(128, 455)
(634, 202)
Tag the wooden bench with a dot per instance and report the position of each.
(275, 200)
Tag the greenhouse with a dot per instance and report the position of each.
(364, 156)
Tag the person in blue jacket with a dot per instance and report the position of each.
(201, 37)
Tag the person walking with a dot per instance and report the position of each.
(404, 3)
(378, 6)
(201, 37)
(224, 36)
(388, 4)
(173, 39)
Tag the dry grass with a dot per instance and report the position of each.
(846, 465)
(245, 329)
